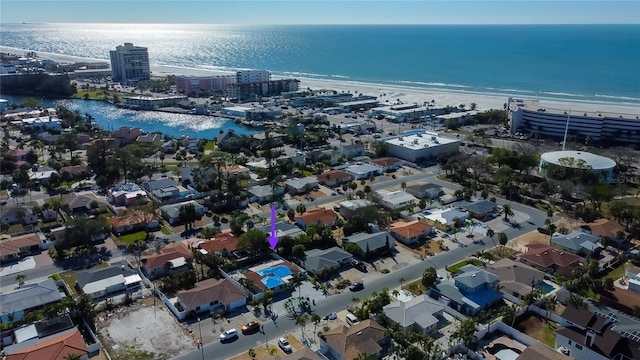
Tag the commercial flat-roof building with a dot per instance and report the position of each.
(129, 63)
(530, 115)
(152, 102)
(577, 160)
(420, 145)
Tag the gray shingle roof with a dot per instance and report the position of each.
(575, 240)
(419, 310)
(375, 241)
(30, 296)
(472, 276)
(317, 259)
(90, 276)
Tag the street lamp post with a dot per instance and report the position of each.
(200, 341)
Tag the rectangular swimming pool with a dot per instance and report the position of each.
(545, 288)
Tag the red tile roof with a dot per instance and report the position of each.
(546, 256)
(167, 254)
(319, 215)
(385, 161)
(14, 244)
(54, 348)
(332, 175)
(223, 241)
(410, 229)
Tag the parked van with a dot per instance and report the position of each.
(352, 319)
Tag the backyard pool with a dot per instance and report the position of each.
(545, 288)
(503, 352)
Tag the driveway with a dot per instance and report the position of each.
(25, 264)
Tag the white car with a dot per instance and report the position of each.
(229, 334)
(284, 345)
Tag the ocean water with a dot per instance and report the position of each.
(578, 62)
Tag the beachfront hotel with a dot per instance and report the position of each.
(203, 84)
(129, 63)
(420, 145)
(531, 116)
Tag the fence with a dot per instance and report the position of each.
(181, 315)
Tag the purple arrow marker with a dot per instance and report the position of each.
(273, 239)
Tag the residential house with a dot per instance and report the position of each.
(27, 298)
(166, 188)
(136, 220)
(469, 292)
(264, 193)
(229, 141)
(577, 242)
(303, 354)
(212, 295)
(481, 209)
(119, 278)
(17, 247)
(297, 186)
(127, 194)
(49, 215)
(516, 279)
(370, 244)
(421, 314)
(273, 276)
(395, 200)
(410, 232)
(42, 174)
(42, 328)
(154, 265)
(349, 208)
(586, 335)
(363, 171)
(448, 216)
(169, 147)
(282, 229)
(59, 346)
(612, 230)
(126, 135)
(316, 260)
(82, 204)
(549, 259)
(235, 170)
(19, 155)
(333, 178)
(388, 164)
(171, 212)
(346, 343)
(148, 138)
(424, 190)
(319, 216)
(353, 150)
(224, 243)
(18, 215)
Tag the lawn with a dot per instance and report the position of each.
(69, 277)
(416, 287)
(539, 329)
(616, 273)
(165, 231)
(209, 145)
(131, 238)
(455, 268)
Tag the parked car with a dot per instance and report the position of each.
(356, 286)
(229, 335)
(250, 327)
(331, 316)
(284, 345)
(358, 264)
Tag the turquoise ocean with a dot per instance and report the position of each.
(573, 62)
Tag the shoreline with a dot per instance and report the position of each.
(405, 93)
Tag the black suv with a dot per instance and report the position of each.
(356, 286)
(358, 264)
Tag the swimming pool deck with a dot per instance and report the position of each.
(503, 340)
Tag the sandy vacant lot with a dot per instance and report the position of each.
(144, 331)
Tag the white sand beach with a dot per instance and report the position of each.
(384, 92)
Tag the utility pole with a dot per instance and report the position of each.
(200, 344)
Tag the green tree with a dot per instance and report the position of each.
(465, 333)
(507, 212)
(429, 277)
(255, 242)
(20, 278)
(503, 239)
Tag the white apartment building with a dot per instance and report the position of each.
(129, 63)
(252, 76)
(420, 145)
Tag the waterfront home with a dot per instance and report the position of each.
(229, 141)
(27, 298)
(126, 135)
(212, 295)
(421, 314)
(148, 138)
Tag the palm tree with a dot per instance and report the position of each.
(510, 313)
(315, 319)
(507, 211)
(20, 278)
(302, 321)
(466, 333)
(503, 239)
(491, 233)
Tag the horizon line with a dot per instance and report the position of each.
(322, 24)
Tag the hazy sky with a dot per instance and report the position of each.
(322, 12)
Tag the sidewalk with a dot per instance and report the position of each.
(27, 263)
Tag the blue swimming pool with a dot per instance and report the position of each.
(545, 288)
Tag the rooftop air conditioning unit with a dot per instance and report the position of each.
(415, 141)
